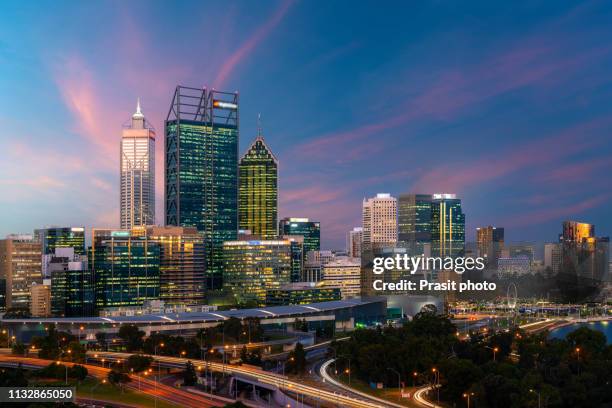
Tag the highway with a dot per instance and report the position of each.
(163, 392)
(255, 375)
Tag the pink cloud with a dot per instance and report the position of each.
(247, 47)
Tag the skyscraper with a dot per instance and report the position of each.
(414, 222)
(182, 265)
(137, 158)
(310, 230)
(258, 192)
(72, 284)
(20, 267)
(490, 243)
(447, 226)
(201, 169)
(353, 242)
(379, 221)
(52, 238)
(125, 264)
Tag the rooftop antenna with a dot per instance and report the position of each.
(259, 132)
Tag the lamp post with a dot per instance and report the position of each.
(66, 367)
(539, 397)
(399, 382)
(578, 357)
(414, 376)
(467, 395)
(157, 373)
(495, 350)
(436, 381)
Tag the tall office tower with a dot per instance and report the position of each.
(414, 222)
(40, 295)
(253, 267)
(343, 273)
(585, 261)
(201, 170)
(297, 256)
(52, 238)
(182, 267)
(310, 230)
(490, 243)
(447, 226)
(552, 256)
(137, 172)
(20, 267)
(379, 221)
(258, 191)
(125, 265)
(72, 284)
(353, 242)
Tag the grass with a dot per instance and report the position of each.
(107, 392)
(389, 394)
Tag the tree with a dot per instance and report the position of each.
(190, 377)
(131, 336)
(138, 362)
(118, 378)
(13, 377)
(78, 371)
(101, 339)
(296, 363)
(75, 352)
(232, 328)
(19, 349)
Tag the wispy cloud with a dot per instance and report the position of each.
(249, 45)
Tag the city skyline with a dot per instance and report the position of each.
(516, 125)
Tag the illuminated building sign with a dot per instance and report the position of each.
(224, 105)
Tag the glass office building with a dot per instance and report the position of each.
(125, 265)
(447, 226)
(414, 222)
(258, 192)
(201, 170)
(251, 268)
(310, 230)
(72, 285)
(52, 238)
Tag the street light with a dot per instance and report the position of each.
(437, 382)
(539, 397)
(414, 376)
(467, 395)
(399, 382)
(66, 367)
(495, 350)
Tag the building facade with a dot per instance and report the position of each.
(201, 170)
(40, 304)
(343, 273)
(414, 222)
(137, 172)
(353, 242)
(490, 244)
(447, 226)
(552, 256)
(253, 267)
(379, 217)
(310, 230)
(125, 265)
(52, 238)
(72, 284)
(182, 267)
(20, 267)
(258, 191)
(301, 294)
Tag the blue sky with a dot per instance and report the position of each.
(505, 104)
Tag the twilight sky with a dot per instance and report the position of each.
(507, 104)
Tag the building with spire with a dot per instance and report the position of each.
(258, 189)
(137, 157)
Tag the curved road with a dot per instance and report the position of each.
(163, 392)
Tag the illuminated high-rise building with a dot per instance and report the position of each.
(137, 167)
(310, 230)
(258, 191)
(447, 226)
(414, 222)
(201, 170)
(254, 267)
(353, 242)
(40, 299)
(72, 284)
(125, 265)
(490, 243)
(182, 265)
(20, 267)
(379, 221)
(52, 238)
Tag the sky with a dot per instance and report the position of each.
(506, 104)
